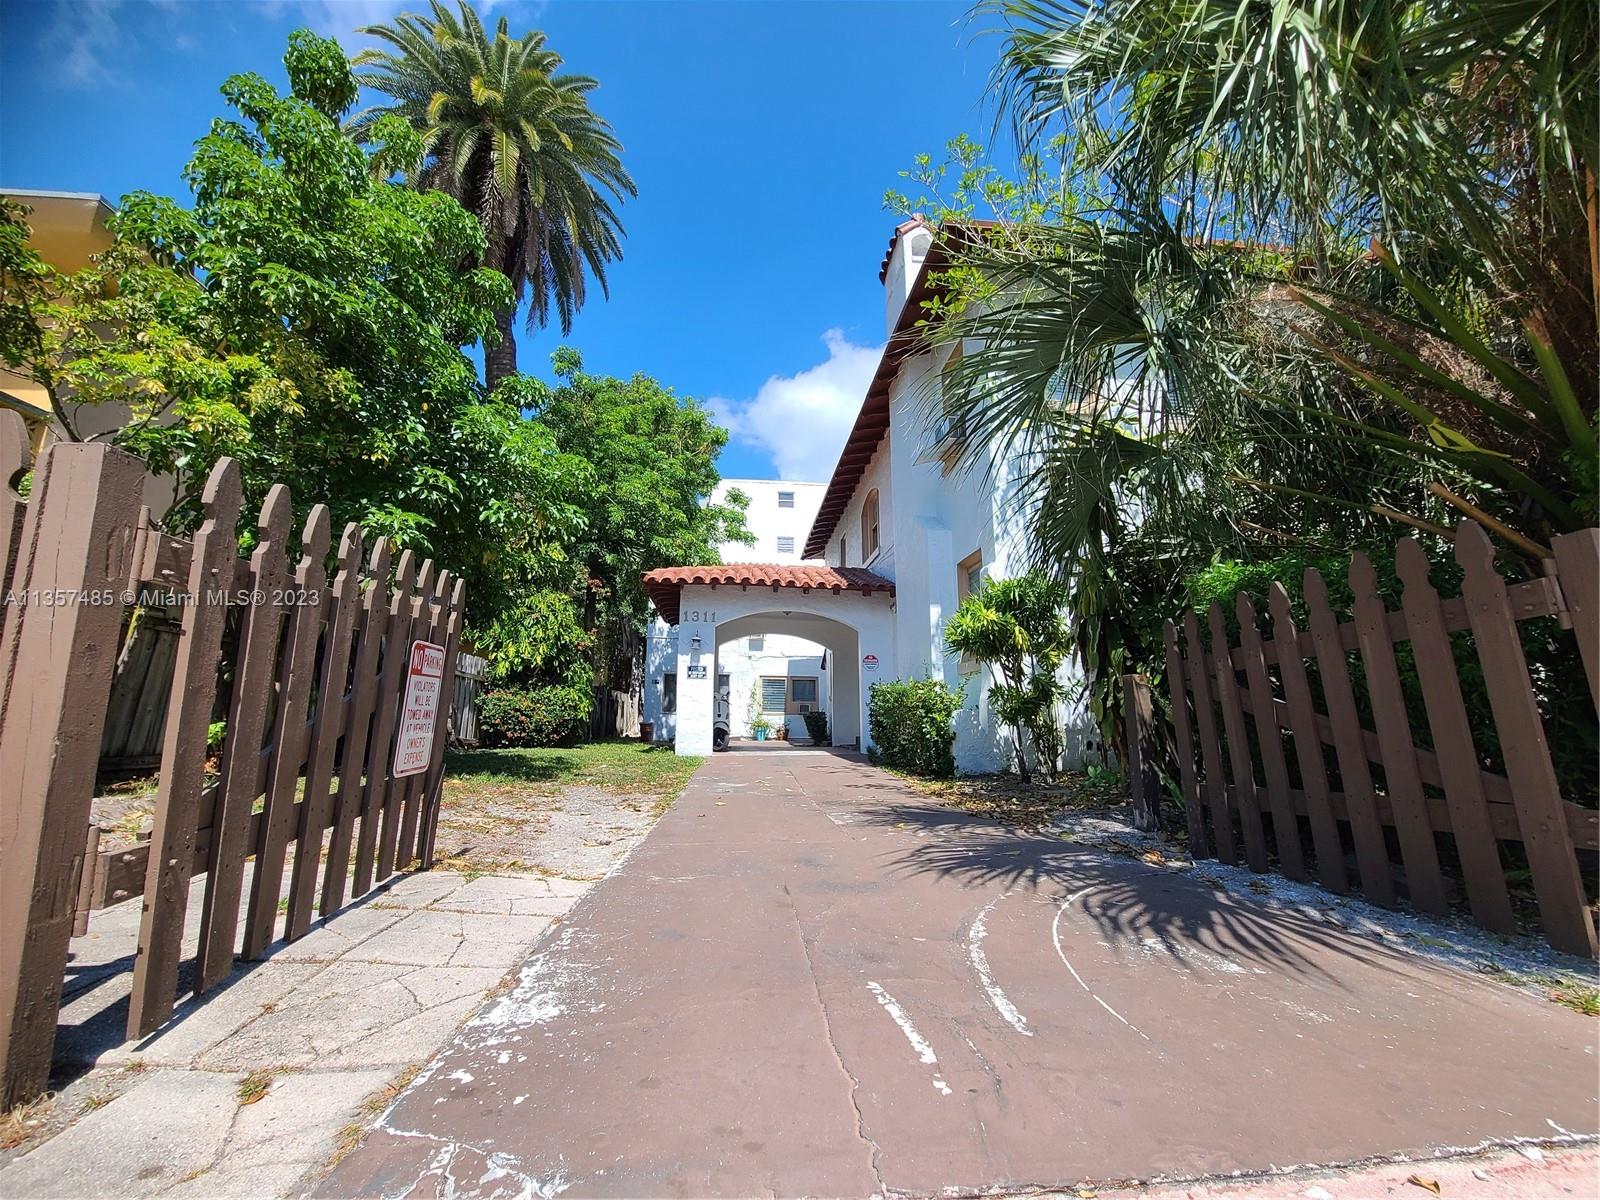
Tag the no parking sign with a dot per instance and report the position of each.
(413, 748)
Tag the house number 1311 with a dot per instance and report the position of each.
(700, 614)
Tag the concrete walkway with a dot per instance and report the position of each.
(808, 981)
(246, 1093)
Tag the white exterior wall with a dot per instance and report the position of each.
(782, 654)
(940, 517)
(850, 625)
(769, 522)
(877, 475)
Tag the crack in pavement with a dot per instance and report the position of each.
(876, 1152)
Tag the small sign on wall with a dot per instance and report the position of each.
(697, 672)
(413, 747)
(869, 662)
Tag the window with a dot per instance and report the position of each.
(786, 545)
(869, 526)
(785, 499)
(969, 579)
(756, 645)
(951, 431)
(669, 694)
(969, 575)
(780, 694)
(842, 548)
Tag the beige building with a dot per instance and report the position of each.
(68, 228)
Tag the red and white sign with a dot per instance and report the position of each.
(869, 661)
(413, 748)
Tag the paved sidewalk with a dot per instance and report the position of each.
(249, 1092)
(808, 981)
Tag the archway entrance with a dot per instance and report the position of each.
(847, 611)
(835, 683)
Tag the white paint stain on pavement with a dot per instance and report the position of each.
(980, 964)
(1055, 936)
(918, 1042)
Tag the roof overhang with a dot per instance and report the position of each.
(665, 585)
(872, 422)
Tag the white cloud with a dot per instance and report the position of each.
(85, 41)
(802, 420)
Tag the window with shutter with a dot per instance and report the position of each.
(774, 693)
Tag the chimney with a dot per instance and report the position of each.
(907, 248)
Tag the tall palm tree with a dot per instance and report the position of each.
(516, 143)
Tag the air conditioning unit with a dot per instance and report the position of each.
(805, 708)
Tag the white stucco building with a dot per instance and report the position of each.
(901, 534)
(776, 674)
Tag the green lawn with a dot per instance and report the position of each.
(622, 767)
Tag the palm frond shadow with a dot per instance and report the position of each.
(1135, 907)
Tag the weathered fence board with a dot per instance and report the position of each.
(364, 691)
(1533, 779)
(289, 733)
(1285, 825)
(1188, 781)
(1309, 756)
(60, 647)
(1402, 783)
(247, 732)
(316, 682)
(329, 723)
(1477, 809)
(177, 816)
(1481, 867)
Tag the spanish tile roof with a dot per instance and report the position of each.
(665, 584)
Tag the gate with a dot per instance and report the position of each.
(1244, 703)
(315, 691)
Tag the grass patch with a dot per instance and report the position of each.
(349, 1137)
(1578, 997)
(23, 1121)
(620, 767)
(254, 1086)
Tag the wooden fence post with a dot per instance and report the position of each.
(58, 655)
(1183, 734)
(1534, 789)
(1578, 564)
(1143, 780)
(183, 757)
(241, 753)
(13, 454)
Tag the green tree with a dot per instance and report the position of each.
(652, 467)
(308, 318)
(1015, 627)
(1295, 272)
(516, 143)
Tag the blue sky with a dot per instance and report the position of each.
(761, 135)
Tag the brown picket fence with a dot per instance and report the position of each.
(1276, 762)
(313, 688)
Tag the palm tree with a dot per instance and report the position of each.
(1339, 258)
(516, 143)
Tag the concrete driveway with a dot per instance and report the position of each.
(808, 981)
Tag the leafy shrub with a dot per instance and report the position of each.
(913, 725)
(817, 727)
(547, 716)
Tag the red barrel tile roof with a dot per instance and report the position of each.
(665, 584)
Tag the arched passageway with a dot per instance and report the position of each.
(840, 682)
(850, 612)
